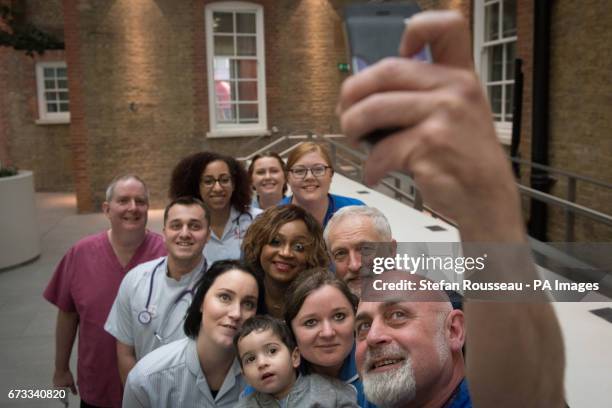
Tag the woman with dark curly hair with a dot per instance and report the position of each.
(223, 184)
(280, 244)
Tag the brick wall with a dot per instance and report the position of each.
(580, 120)
(135, 64)
(45, 149)
(579, 100)
(139, 94)
(304, 44)
(579, 103)
(5, 52)
(144, 90)
(139, 97)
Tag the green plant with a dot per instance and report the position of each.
(23, 36)
(8, 171)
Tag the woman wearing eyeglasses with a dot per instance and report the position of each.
(223, 184)
(310, 175)
(282, 243)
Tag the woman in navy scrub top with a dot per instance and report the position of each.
(310, 173)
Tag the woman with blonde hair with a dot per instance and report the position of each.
(268, 177)
(310, 173)
(281, 243)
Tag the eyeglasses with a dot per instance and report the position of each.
(224, 181)
(317, 170)
(366, 250)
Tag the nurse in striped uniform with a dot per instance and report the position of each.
(201, 370)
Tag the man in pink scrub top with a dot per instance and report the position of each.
(84, 287)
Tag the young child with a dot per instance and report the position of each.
(269, 359)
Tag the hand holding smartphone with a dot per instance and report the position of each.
(373, 32)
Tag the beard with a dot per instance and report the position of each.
(396, 388)
(393, 387)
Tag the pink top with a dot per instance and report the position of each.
(86, 281)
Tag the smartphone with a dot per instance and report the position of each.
(373, 31)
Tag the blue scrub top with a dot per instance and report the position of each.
(335, 202)
(348, 374)
(461, 398)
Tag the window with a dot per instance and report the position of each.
(495, 52)
(52, 88)
(235, 59)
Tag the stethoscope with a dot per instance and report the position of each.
(237, 230)
(145, 316)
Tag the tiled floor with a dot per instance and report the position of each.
(27, 321)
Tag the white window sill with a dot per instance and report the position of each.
(57, 121)
(504, 133)
(220, 133)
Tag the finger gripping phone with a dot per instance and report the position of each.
(373, 31)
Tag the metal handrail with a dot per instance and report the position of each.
(568, 205)
(565, 173)
(576, 208)
(395, 189)
(414, 199)
(290, 149)
(263, 149)
(363, 157)
(398, 177)
(273, 143)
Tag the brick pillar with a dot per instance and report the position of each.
(5, 157)
(4, 127)
(524, 50)
(200, 85)
(78, 128)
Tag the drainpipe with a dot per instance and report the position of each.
(517, 115)
(540, 102)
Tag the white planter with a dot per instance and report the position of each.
(19, 234)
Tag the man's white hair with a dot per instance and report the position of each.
(110, 190)
(379, 221)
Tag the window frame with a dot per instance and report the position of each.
(503, 128)
(236, 129)
(45, 117)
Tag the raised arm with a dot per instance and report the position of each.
(447, 141)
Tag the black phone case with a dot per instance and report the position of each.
(373, 32)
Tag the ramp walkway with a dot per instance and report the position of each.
(27, 321)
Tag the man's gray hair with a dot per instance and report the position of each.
(110, 190)
(379, 221)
